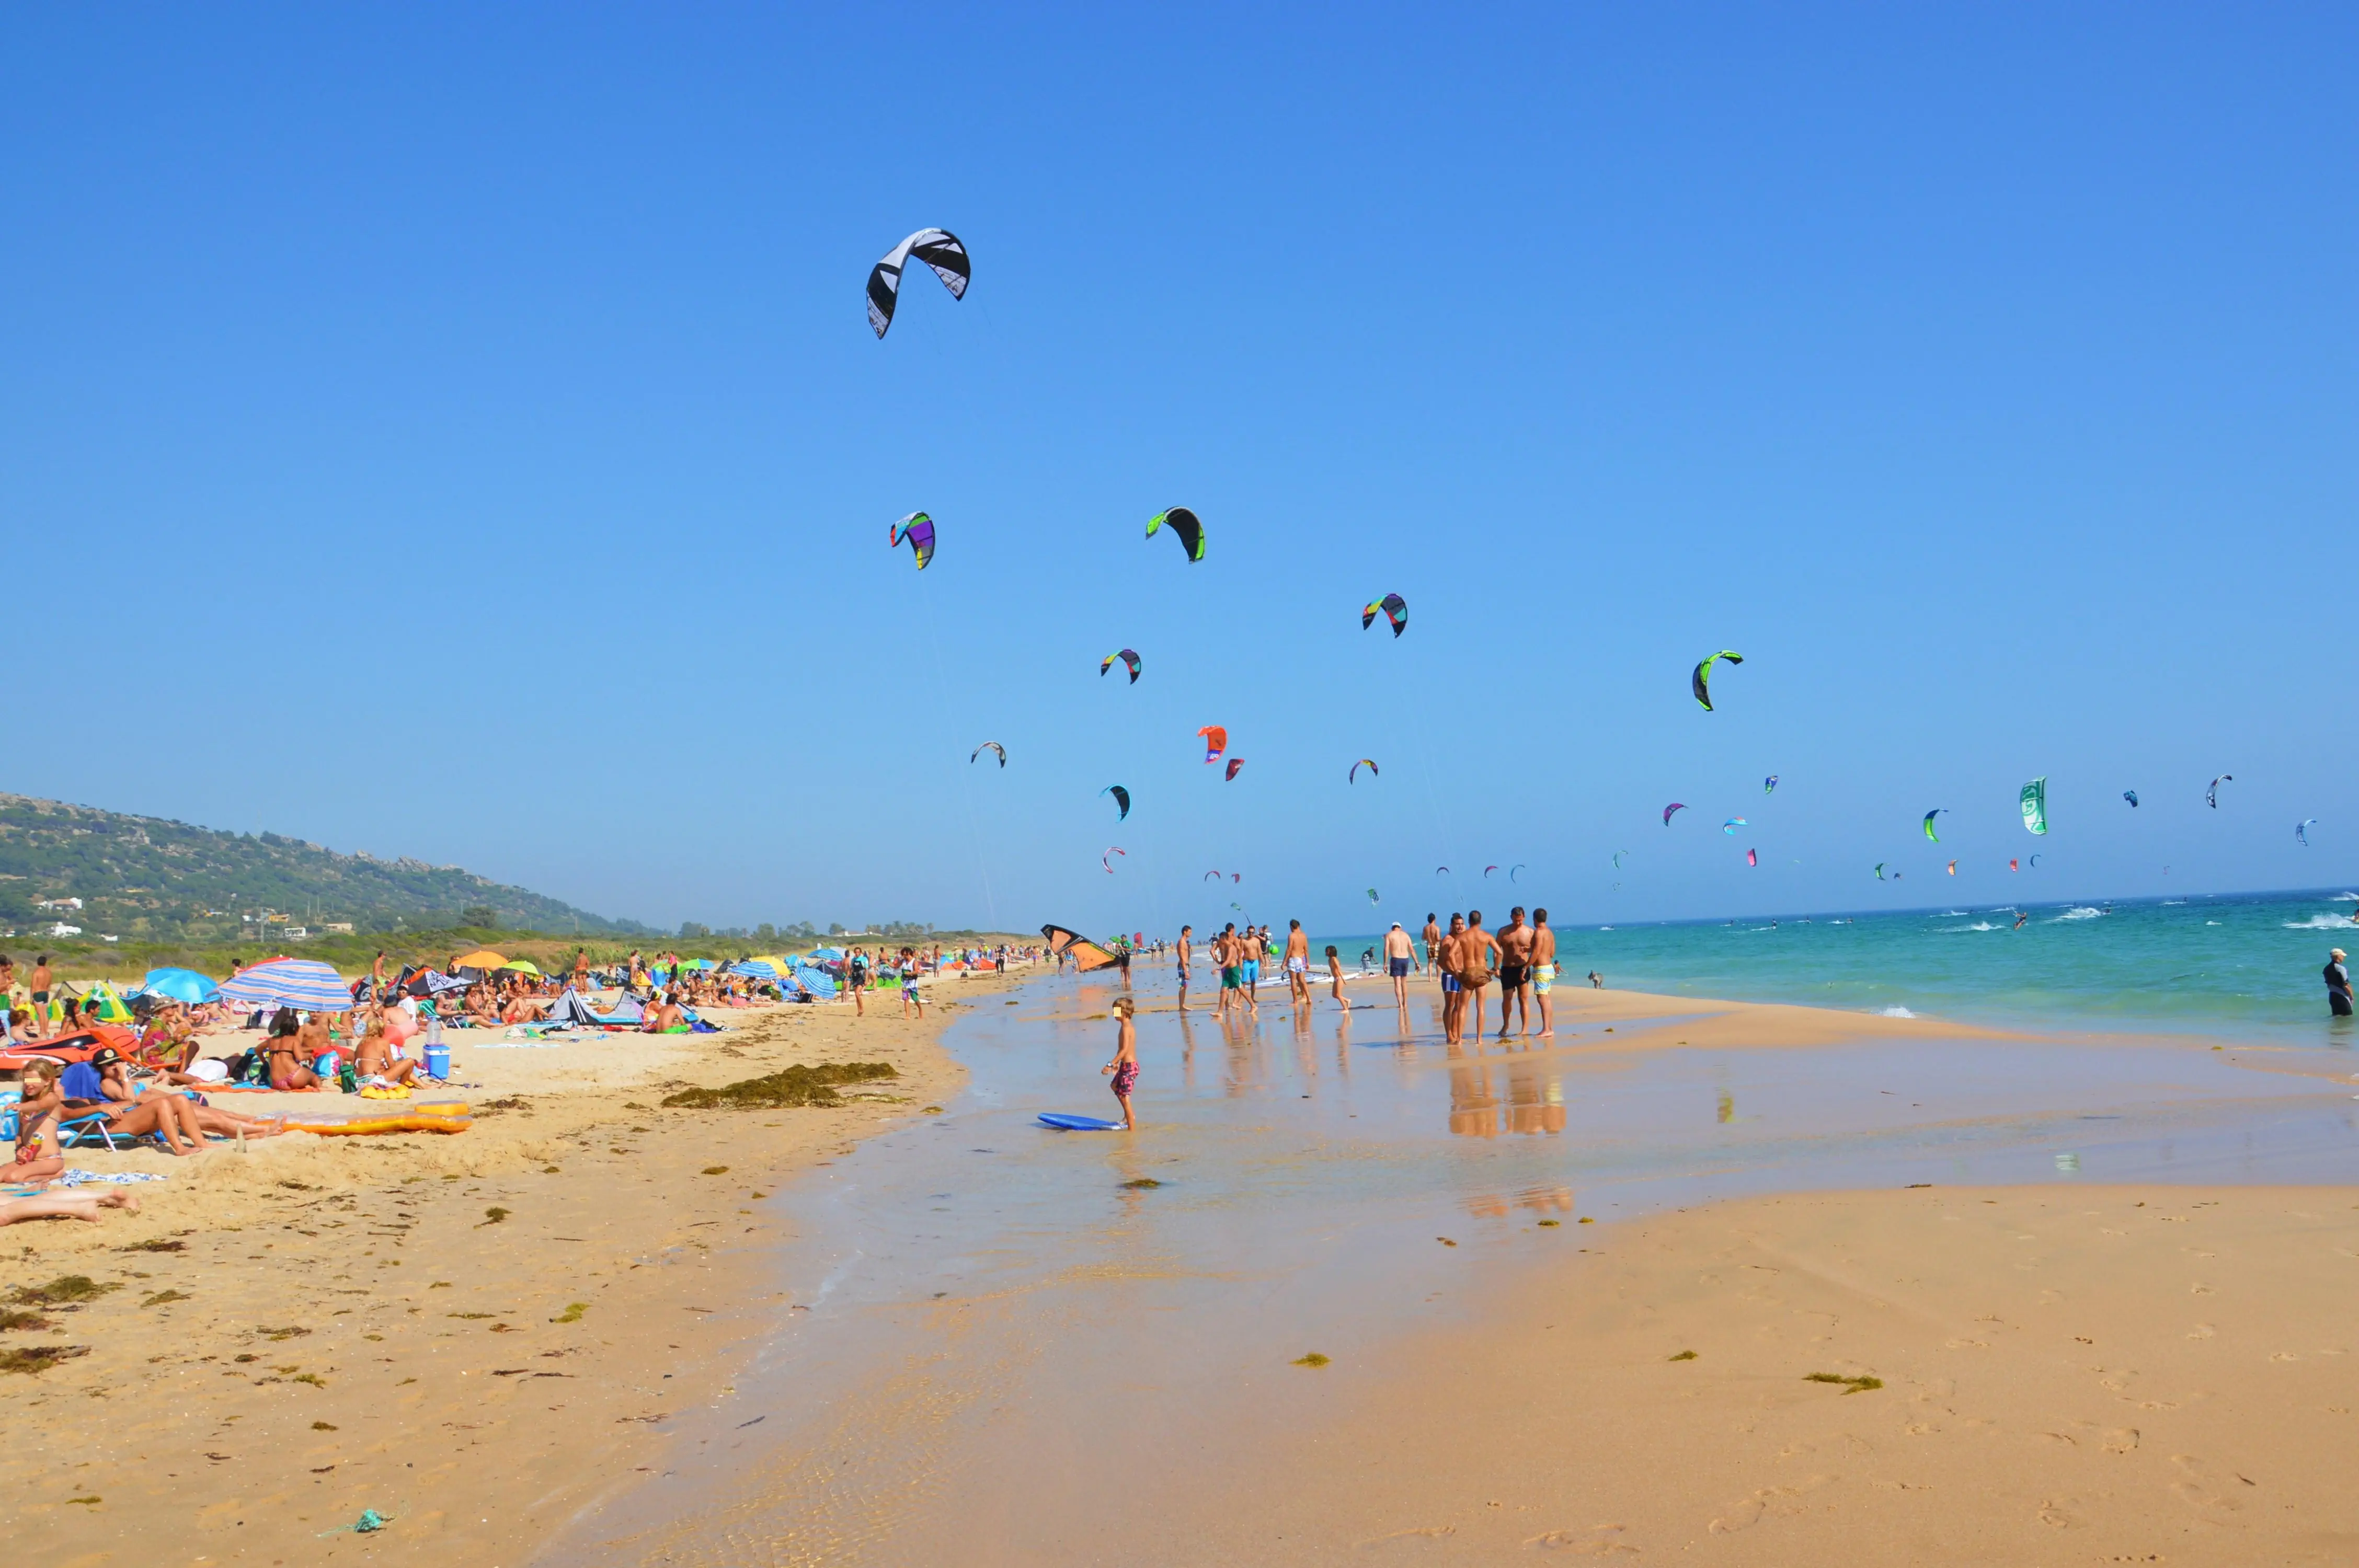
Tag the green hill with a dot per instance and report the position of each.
(146, 880)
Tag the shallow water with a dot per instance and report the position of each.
(993, 1334)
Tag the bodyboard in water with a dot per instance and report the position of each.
(1066, 1123)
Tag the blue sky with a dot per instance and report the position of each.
(458, 433)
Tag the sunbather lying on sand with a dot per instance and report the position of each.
(66, 1205)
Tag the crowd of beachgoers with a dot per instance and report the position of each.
(89, 1067)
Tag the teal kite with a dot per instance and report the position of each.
(1928, 823)
(1395, 608)
(1121, 798)
(2035, 805)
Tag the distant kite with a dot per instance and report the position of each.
(2301, 830)
(2212, 795)
(1512, 874)
(2034, 801)
(2013, 867)
(1372, 895)
(1184, 528)
(1700, 682)
(1395, 608)
(1769, 785)
(1234, 763)
(1236, 876)
(1216, 740)
(2130, 795)
(1879, 871)
(1752, 856)
(1732, 824)
(1086, 953)
(1928, 823)
(1675, 806)
(1106, 859)
(1212, 876)
(2033, 862)
(1953, 868)
(989, 746)
(1441, 871)
(1488, 870)
(1367, 763)
(918, 530)
(1127, 657)
(1121, 798)
(938, 249)
(1617, 858)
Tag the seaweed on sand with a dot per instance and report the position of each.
(63, 1291)
(797, 1085)
(1850, 1385)
(39, 1358)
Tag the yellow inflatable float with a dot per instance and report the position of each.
(442, 1116)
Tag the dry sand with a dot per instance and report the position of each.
(2068, 1376)
(472, 1334)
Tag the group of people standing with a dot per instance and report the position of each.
(1239, 956)
(1521, 957)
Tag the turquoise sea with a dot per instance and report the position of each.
(2238, 965)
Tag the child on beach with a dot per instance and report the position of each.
(1336, 974)
(1124, 1065)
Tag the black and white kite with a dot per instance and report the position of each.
(938, 249)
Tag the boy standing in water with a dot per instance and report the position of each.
(1124, 1065)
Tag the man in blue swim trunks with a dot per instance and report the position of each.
(1255, 944)
(1453, 996)
(1399, 953)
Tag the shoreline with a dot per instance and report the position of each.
(315, 1326)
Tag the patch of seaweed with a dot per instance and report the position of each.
(1313, 1359)
(1850, 1385)
(1142, 1183)
(155, 1246)
(63, 1291)
(23, 1320)
(799, 1085)
(163, 1297)
(572, 1313)
(39, 1358)
(1684, 1356)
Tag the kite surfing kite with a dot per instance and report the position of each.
(1212, 876)
(1367, 763)
(1231, 772)
(1121, 798)
(2013, 867)
(1127, 657)
(1488, 870)
(1372, 895)
(1396, 610)
(918, 529)
(1879, 871)
(1732, 824)
(1675, 806)
(1441, 871)
(1184, 528)
(1700, 682)
(2035, 805)
(1513, 874)
(1928, 823)
(1752, 856)
(938, 249)
(1216, 740)
(2033, 862)
(1769, 785)
(1086, 955)
(1617, 858)
(2301, 830)
(2212, 795)
(2130, 795)
(1106, 859)
(1953, 868)
(989, 746)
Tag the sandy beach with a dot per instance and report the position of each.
(470, 1333)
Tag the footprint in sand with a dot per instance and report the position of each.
(2059, 1512)
(1604, 1540)
(2198, 1489)
(1766, 1500)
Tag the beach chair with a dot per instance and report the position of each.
(84, 1127)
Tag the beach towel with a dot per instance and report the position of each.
(107, 1178)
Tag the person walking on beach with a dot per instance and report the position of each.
(1476, 949)
(1257, 945)
(1398, 952)
(909, 997)
(1124, 1065)
(1516, 972)
(1298, 963)
(2338, 985)
(855, 978)
(1544, 971)
(1432, 935)
(1335, 975)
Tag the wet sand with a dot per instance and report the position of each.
(472, 1334)
(1026, 1346)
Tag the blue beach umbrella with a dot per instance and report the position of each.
(177, 985)
(758, 968)
(302, 983)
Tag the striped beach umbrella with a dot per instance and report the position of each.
(303, 983)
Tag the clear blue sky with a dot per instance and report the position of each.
(456, 432)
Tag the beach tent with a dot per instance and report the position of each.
(301, 983)
(626, 1010)
(425, 983)
(695, 964)
(177, 985)
(815, 980)
(101, 1002)
(570, 1011)
(481, 958)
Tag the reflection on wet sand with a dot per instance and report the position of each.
(1534, 1103)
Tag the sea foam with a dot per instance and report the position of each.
(2320, 923)
(1895, 1010)
(2083, 913)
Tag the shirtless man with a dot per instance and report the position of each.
(1185, 932)
(1226, 951)
(1256, 945)
(1400, 952)
(40, 981)
(1515, 972)
(581, 970)
(1432, 936)
(1297, 964)
(1453, 995)
(1476, 951)
(1544, 971)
